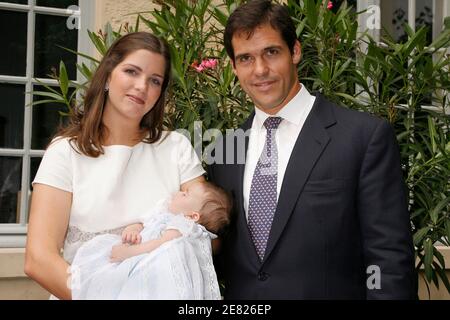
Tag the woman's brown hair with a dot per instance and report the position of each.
(85, 126)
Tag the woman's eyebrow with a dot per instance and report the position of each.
(140, 69)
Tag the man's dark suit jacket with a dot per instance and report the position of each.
(341, 209)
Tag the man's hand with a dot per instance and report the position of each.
(131, 234)
(121, 252)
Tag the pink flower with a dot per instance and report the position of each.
(205, 64)
(330, 5)
(210, 63)
(198, 68)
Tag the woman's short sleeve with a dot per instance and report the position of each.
(189, 165)
(56, 166)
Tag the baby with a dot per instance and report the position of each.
(203, 203)
(168, 256)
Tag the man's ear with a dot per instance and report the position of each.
(297, 52)
(193, 215)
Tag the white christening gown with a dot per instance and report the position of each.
(179, 269)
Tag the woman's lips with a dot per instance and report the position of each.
(135, 99)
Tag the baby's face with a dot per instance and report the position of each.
(187, 201)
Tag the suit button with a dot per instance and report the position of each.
(262, 276)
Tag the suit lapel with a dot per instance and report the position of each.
(311, 142)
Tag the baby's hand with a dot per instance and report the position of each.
(131, 234)
(131, 237)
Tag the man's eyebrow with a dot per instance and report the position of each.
(272, 47)
(241, 55)
(140, 69)
(263, 50)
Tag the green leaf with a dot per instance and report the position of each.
(47, 87)
(447, 228)
(63, 114)
(80, 54)
(432, 132)
(35, 103)
(300, 27)
(55, 96)
(161, 22)
(417, 213)
(110, 38)
(440, 258)
(428, 246)
(98, 42)
(419, 235)
(63, 79)
(441, 41)
(220, 16)
(349, 98)
(136, 25)
(342, 68)
(312, 14)
(412, 43)
(443, 275)
(85, 71)
(438, 209)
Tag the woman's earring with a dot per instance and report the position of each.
(106, 88)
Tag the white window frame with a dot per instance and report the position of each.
(14, 234)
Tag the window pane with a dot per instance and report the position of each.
(424, 17)
(13, 32)
(10, 177)
(393, 15)
(12, 109)
(16, 1)
(46, 120)
(34, 166)
(56, 3)
(51, 32)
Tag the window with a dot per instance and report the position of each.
(33, 32)
(392, 14)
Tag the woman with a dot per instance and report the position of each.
(110, 164)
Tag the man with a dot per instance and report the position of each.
(320, 207)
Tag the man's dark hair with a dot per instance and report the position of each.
(255, 13)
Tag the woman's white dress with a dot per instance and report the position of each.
(179, 269)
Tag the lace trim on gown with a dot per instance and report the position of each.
(212, 285)
(75, 234)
